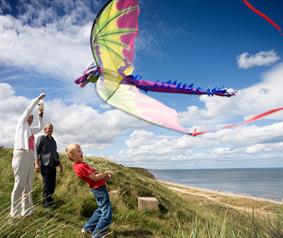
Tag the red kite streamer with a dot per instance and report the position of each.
(250, 120)
(273, 23)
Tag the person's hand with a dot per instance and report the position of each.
(37, 167)
(61, 168)
(41, 95)
(108, 174)
(40, 113)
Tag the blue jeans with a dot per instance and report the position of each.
(101, 219)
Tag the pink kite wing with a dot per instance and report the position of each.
(129, 99)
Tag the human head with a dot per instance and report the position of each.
(74, 153)
(48, 129)
(30, 119)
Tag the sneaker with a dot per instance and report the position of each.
(103, 234)
(13, 220)
(28, 214)
(86, 231)
(51, 206)
(106, 234)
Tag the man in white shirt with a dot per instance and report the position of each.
(23, 161)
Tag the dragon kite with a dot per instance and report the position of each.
(112, 41)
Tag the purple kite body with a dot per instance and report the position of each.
(92, 73)
(175, 87)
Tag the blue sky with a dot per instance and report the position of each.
(44, 46)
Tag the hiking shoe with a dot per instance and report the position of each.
(103, 234)
(86, 231)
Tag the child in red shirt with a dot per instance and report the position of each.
(101, 219)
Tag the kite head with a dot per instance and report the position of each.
(230, 92)
(90, 74)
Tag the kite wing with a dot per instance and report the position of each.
(129, 99)
(112, 41)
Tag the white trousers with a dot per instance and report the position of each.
(23, 166)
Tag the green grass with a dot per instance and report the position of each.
(180, 215)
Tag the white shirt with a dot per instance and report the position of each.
(23, 130)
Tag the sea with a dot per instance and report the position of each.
(259, 182)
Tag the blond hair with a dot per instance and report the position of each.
(70, 150)
(47, 125)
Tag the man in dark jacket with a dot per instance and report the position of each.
(46, 163)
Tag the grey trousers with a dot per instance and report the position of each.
(23, 167)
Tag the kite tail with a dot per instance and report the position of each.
(248, 121)
(175, 87)
(269, 20)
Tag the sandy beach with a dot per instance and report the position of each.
(215, 195)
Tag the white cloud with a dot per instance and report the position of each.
(244, 146)
(262, 58)
(250, 101)
(38, 12)
(264, 148)
(256, 148)
(48, 40)
(48, 37)
(222, 151)
(94, 130)
(62, 53)
(74, 123)
(53, 37)
(236, 147)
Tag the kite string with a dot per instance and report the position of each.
(46, 90)
(59, 89)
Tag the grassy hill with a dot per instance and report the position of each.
(182, 212)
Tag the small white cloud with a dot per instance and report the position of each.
(262, 58)
(256, 148)
(139, 138)
(221, 151)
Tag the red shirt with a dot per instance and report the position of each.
(31, 142)
(83, 170)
